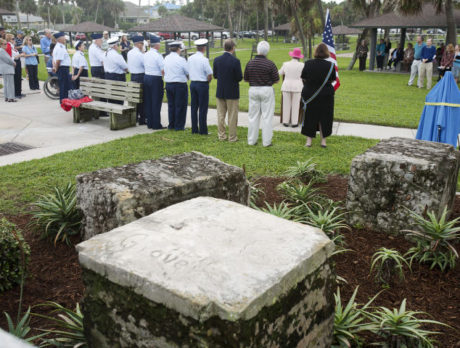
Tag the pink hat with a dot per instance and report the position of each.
(296, 53)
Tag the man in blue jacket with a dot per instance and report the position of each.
(227, 71)
(426, 68)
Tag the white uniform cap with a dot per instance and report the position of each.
(201, 42)
(112, 41)
(175, 43)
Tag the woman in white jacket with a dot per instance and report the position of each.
(292, 88)
(7, 71)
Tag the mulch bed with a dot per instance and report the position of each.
(54, 272)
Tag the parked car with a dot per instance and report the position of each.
(165, 36)
(80, 36)
(225, 35)
(436, 32)
(249, 34)
(193, 36)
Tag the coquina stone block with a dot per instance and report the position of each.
(113, 197)
(208, 273)
(9, 341)
(398, 176)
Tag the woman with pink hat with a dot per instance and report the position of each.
(292, 88)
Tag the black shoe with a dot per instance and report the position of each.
(294, 125)
(17, 96)
(23, 96)
(285, 125)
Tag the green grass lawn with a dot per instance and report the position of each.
(22, 183)
(373, 98)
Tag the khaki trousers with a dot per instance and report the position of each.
(291, 106)
(231, 107)
(425, 68)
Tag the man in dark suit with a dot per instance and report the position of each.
(227, 71)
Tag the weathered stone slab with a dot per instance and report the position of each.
(9, 341)
(397, 176)
(113, 197)
(208, 273)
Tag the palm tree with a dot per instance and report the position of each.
(415, 6)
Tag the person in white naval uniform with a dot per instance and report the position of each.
(79, 64)
(200, 76)
(153, 84)
(61, 65)
(176, 76)
(96, 56)
(115, 66)
(136, 68)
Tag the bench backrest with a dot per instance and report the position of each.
(108, 89)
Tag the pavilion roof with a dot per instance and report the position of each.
(88, 27)
(283, 27)
(428, 18)
(4, 12)
(176, 24)
(344, 30)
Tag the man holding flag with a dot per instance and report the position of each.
(321, 81)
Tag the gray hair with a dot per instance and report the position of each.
(263, 47)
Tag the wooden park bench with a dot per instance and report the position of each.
(121, 116)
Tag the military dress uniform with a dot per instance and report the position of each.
(96, 57)
(136, 68)
(78, 61)
(115, 66)
(153, 86)
(60, 53)
(199, 69)
(176, 75)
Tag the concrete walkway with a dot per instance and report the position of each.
(39, 122)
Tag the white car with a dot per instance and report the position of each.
(217, 34)
(436, 32)
(193, 36)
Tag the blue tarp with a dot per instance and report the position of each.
(444, 116)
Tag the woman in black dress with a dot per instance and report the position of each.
(320, 111)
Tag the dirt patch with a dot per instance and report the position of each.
(426, 290)
(54, 273)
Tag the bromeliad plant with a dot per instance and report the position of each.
(255, 191)
(388, 262)
(401, 328)
(350, 320)
(22, 329)
(70, 331)
(330, 221)
(305, 171)
(299, 193)
(58, 215)
(281, 210)
(434, 239)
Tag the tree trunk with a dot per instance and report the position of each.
(230, 22)
(17, 15)
(49, 16)
(361, 37)
(257, 25)
(63, 13)
(298, 25)
(321, 12)
(309, 46)
(97, 10)
(451, 25)
(266, 20)
(273, 22)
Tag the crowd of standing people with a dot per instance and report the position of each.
(112, 59)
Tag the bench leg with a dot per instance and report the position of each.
(76, 115)
(122, 121)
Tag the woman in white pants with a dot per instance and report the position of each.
(7, 71)
(292, 88)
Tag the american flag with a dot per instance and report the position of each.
(328, 39)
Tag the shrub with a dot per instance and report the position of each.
(305, 171)
(58, 215)
(388, 262)
(14, 255)
(70, 331)
(255, 191)
(349, 320)
(401, 328)
(434, 240)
